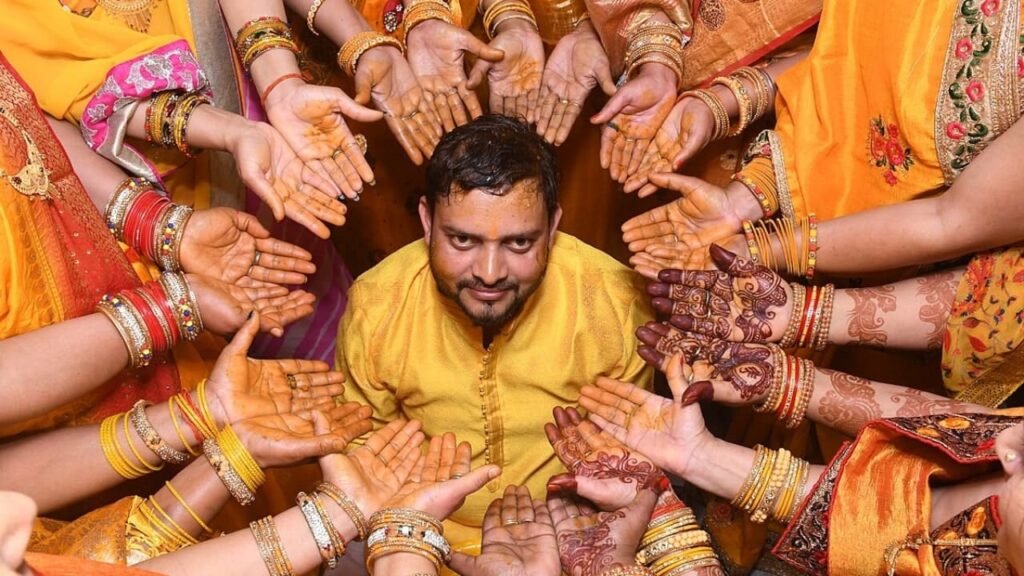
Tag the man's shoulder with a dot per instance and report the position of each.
(397, 272)
(582, 262)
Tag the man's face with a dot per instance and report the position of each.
(488, 253)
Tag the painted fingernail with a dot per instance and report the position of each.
(372, 182)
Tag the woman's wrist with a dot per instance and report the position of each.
(272, 65)
(214, 129)
(744, 204)
(403, 564)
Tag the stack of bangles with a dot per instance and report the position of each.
(328, 538)
(148, 221)
(168, 116)
(791, 388)
(674, 543)
(258, 36)
(154, 317)
(354, 48)
(800, 251)
(655, 42)
(775, 486)
(420, 11)
(758, 176)
(752, 107)
(810, 327)
(505, 10)
(404, 530)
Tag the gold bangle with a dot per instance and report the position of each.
(204, 407)
(177, 427)
(179, 531)
(490, 20)
(183, 304)
(240, 458)
(762, 91)
(268, 541)
(328, 542)
(191, 512)
(423, 10)
(131, 328)
(311, 15)
(746, 107)
(112, 450)
(134, 451)
(354, 48)
(710, 99)
(151, 438)
(348, 506)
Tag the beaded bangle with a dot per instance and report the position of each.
(151, 438)
(811, 246)
(124, 196)
(395, 530)
(346, 504)
(268, 541)
(328, 541)
(354, 48)
(789, 339)
(183, 303)
(311, 15)
(131, 328)
(261, 35)
(676, 541)
(227, 474)
(168, 243)
(824, 324)
(766, 206)
(762, 89)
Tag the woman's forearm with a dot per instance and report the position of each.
(910, 314)
(35, 379)
(272, 64)
(338, 21)
(981, 210)
(847, 403)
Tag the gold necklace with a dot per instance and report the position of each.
(33, 179)
(136, 14)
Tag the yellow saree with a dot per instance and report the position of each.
(870, 511)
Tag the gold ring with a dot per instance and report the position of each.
(361, 142)
(381, 458)
(292, 382)
(564, 101)
(457, 476)
(410, 115)
(256, 259)
(512, 522)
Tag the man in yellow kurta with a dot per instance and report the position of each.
(495, 317)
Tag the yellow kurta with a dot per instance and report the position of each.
(407, 351)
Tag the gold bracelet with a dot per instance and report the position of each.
(120, 204)
(328, 541)
(183, 303)
(171, 402)
(684, 540)
(179, 532)
(348, 506)
(500, 7)
(717, 110)
(268, 541)
(191, 512)
(746, 107)
(311, 15)
(240, 459)
(423, 10)
(112, 450)
(354, 48)
(131, 328)
(151, 438)
(134, 451)
(634, 570)
(228, 475)
(762, 90)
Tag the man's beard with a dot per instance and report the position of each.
(489, 318)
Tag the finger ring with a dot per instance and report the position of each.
(361, 142)
(564, 101)
(337, 152)
(256, 259)
(675, 239)
(457, 476)
(410, 115)
(511, 522)
(381, 458)
(613, 126)
(292, 382)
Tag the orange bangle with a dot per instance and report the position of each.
(276, 83)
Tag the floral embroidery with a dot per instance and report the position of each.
(976, 522)
(978, 96)
(887, 150)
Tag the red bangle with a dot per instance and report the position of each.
(195, 410)
(157, 293)
(807, 307)
(141, 220)
(157, 334)
(276, 83)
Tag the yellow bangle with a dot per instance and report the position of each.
(354, 48)
(240, 458)
(112, 450)
(188, 508)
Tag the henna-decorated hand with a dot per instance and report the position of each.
(240, 388)
(436, 51)
(278, 440)
(590, 542)
(442, 479)
(744, 302)
(514, 81)
(311, 119)
(576, 65)
(602, 470)
(1011, 501)
(741, 373)
(385, 77)
(518, 539)
(270, 168)
(687, 130)
(669, 431)
(373, 473)
(632, 118)
(225, 307)
(681, 232)
(222, 243)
